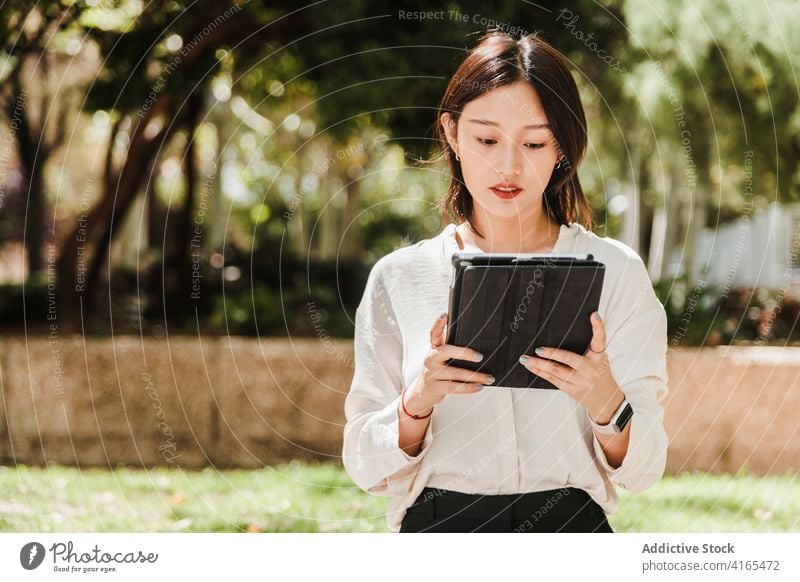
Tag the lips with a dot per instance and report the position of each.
(506, 190)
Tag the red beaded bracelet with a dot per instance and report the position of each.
(403, 404)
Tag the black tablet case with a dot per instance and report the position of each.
(506, 305)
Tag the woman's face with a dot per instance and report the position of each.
(507, 150)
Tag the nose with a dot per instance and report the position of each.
(510, 164)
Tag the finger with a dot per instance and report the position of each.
(567, 357)
(462, 387)
(449, 351)
(598, 343)
(559, 383)
(541, 366)
(546, 372)
(437, 331)
(456, 374)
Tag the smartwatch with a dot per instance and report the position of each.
(619, 420)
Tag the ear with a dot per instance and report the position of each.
(561, 157)
(450, 130)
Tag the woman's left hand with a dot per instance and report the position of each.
(585, 378)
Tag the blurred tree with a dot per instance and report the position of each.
(155, 61)
(365, 72)
(35, 104)
(379, 68)
(324, 104)
(712, 86)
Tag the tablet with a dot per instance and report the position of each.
(507, 305)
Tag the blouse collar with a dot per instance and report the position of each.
(567, 236)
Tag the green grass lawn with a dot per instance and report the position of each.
(301, 497)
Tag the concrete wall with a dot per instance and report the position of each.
(732, 408)
(236, 402)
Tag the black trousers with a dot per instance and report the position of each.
(558, 510)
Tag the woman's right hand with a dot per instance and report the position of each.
(438, 379)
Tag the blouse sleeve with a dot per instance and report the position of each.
(371, 453)
(637, 348)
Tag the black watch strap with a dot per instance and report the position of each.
(624, 417)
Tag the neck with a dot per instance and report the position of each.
(532, 234)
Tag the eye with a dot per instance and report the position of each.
(489, 142)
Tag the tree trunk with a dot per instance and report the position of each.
(118, 192)
(86, 248)
(645, 226)
(27, 145)
(191, 242)
(329, 231)
(352, 245)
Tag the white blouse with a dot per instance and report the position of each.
(500, 440)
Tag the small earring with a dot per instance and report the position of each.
(558, 165)
(457, 158)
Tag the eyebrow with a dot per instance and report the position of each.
(495, 124)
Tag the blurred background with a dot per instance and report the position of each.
(192, 195)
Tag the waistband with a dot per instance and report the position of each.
(567, 501)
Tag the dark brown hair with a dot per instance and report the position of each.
(498, 59)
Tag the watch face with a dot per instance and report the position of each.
(624, 417)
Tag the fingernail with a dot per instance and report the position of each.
(491, 380)
(478, 388)
(596, 315)
(442, 316)
(539, 351)
(523, 359)
(479, 356)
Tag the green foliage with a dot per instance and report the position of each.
(261, 311)
(395, 68)
(286, 307)
(725, 64)
(704, 315)
(288, 87)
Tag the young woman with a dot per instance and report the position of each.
(454, 451)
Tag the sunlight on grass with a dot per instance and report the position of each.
(319, 497)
